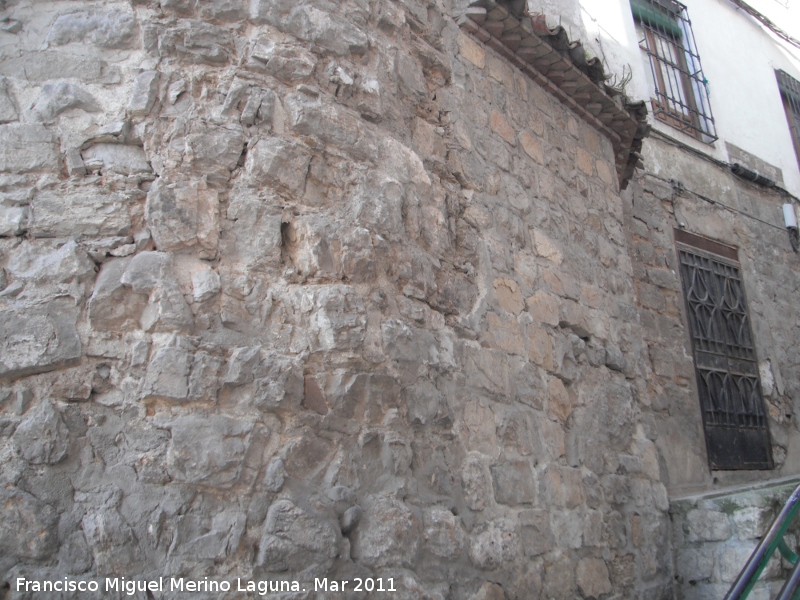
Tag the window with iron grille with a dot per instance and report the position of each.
(790, 94)
(681, 90)
(726, 366)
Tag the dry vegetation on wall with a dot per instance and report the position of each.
(294, 290)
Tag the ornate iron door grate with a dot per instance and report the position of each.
(734, 419)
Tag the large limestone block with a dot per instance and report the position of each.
(38, 338)
(278, 162)
(112, 542)
(443, 534)
(167, 374)
(42, 437)
(112, 306)
(28, 526)
(327, 30)
(213, 152)
(58, 65)
(145, 93)
(332, 124)
(183, 216)
(8, 104)
(58, 98)
(208, 450)
(494, 544)
(294, 539)
(387, 536)
(334, 316)
(167, 311)
(28, 147)
(80, 212)
(256, 230)
(308, 23)
(13, 220)
(287, 62)
(117, 158)
(514, 483)
(104, 28)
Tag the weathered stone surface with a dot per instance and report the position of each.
(144, 95)
(58, 98)
(13, 220)
(388, 535)
(282, 163)
(8, 104)
(494, 544)
(25, 148)
(42, 437)
(184, 216)
(208, 450)
(214, 152)
(28, 527)
(294, 538)
(410, 348)
(112, 306)
(58, 65)
(442, 533)
(83, 211)
(592, 576)
(514, 483)
(286, 62)
(116, 158)
(112, 542)
(104, 28)
(708, 526)
(37, 339)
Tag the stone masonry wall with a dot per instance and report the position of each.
(313, 289)
(770, 271)
(715, 534)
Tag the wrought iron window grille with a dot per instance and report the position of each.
(790, 94)
(681, 97)
(726, 365)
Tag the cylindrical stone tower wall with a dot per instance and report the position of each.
(305, 290)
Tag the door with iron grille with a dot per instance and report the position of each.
(734, 418)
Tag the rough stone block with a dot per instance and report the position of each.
(257, 230)
(145, 93)
(8, 104)
(116, 158)
(168, 372)
(592, 577)
(280, 162)
(85, 211)
(13, 220)
(707, 526)
(494, 544)
(26, 148)
(38, 338)
(42, 437)
(208, 450)
(514, 483)
(471, 50)
(297, 540)
(286, 62)
(28, 526)
(442, 533)
(183, 216)
(104, 28)
(501, 127)
(388, 535)
(58, 98)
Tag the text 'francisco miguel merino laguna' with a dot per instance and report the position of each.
(130, 586)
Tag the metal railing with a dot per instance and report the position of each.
(772, 540)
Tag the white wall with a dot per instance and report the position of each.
(738, 57)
